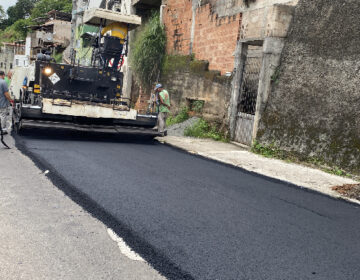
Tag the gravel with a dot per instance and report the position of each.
(179, 128)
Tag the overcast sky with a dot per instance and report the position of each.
(7, 3)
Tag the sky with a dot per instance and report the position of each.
(7, 3)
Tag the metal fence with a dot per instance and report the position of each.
(248, 95)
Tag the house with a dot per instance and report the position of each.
(53, 33)
(11, 54)
(292, 69)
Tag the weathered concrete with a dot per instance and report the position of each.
(193, 83)
(271, 59)
(313, 107)
(232, 7)
(240, 57)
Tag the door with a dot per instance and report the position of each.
(248, 94)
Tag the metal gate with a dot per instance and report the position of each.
(248, 95)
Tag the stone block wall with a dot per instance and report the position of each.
(313, 108)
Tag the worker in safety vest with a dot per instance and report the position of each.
(163, 101)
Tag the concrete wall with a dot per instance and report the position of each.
(62, 32)
(313, 108)
(232, 7)
(7, 53)
(6, 58)
(188, 80)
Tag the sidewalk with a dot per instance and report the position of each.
(228, 153)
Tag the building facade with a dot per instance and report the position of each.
(239, 39)
(8, 52)
(53, 33)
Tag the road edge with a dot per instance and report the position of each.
(338, 197)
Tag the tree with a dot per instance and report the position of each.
(2, 13)
(44, 6)
(21, 10)
(2, 17)
(23, 13)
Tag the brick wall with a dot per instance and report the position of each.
(214, 37)
(177, 20)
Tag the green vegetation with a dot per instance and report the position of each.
(202, 129)
(188, 63)
(271, 151)
(179, 118)
(148, 50)
(58, 57)
(173, 63)
(275, 77)
(15, 21)
(44, 6)
(197, 106)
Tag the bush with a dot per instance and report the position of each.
(148, 50)
(58, 57)
(202, 129)
(179, 118)
(197, 106)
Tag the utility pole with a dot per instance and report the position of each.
(73, 30)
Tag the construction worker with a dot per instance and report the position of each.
(164, 108)
(5, 101)
(8, 78)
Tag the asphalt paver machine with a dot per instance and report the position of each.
(85, 98)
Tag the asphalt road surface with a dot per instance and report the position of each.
(192, 218)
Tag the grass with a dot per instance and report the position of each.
(179, 118)
(203, 129)
(148, 50)
(271, 151)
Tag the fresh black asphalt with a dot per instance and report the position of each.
(193, 218)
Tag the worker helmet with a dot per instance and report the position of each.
(158, 86)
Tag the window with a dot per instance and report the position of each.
(16, 62)
(11, 65)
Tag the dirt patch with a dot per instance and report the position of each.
(352, 191)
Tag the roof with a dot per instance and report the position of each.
(59, 15)
(13, 44)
